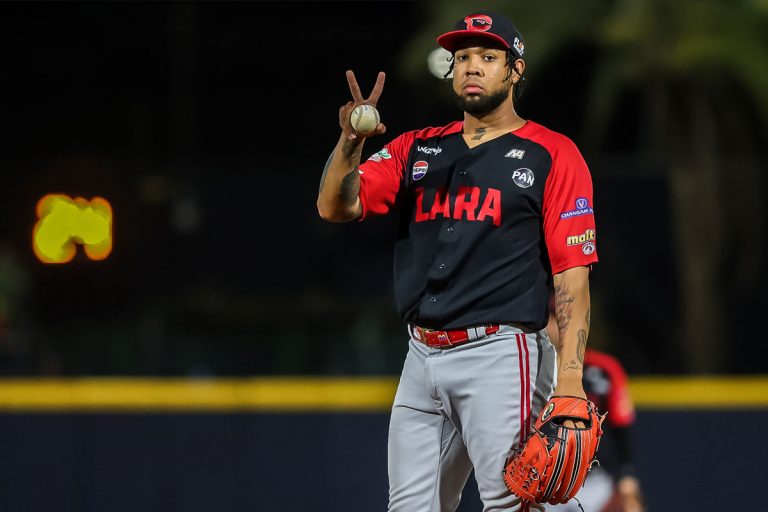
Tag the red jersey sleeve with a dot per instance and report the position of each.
(569, 221)
(381, 176)
(621, 410)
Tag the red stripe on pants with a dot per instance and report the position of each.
(527, 385)
(525, 407)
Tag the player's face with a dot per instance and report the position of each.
(481, 79)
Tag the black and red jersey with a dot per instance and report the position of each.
(482, 229)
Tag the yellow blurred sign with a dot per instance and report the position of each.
(64, 222)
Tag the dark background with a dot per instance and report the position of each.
(206, 125)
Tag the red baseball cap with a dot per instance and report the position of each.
(496, 27)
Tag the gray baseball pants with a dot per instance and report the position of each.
(461, 408)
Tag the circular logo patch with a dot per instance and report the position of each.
(582, 203)
(588, 248)
(523, 177)
(420, 169)
(547, 412)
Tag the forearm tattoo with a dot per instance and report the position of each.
(578, 364)
(325, 171)
(350, 184)
(564, 301)
(350, 187)
(582, 335)
(572, 365)
(352, 151)
(563, 308)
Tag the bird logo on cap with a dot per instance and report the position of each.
(478, 22)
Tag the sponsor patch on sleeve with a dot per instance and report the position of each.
(586, 240)
(381, 155)
(582, 208)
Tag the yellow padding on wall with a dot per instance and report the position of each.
(748, 392)
(321, 394)
(225, 395)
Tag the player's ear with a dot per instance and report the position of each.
(518, 68)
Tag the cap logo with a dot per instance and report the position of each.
(478, 23)
(519, 46)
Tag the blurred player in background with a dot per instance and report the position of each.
(612, 486)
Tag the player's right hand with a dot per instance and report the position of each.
(357, 99)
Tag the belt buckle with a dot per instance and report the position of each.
(421, 334)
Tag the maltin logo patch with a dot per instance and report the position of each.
(586, 240)
(420, 168)
(523, 177)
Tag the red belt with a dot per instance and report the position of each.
(447, 339)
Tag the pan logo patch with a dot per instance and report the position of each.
(523, 177)
(420, 169)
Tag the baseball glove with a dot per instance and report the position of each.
(554, 461)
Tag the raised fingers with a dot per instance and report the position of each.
(353, 87)
(377, 88)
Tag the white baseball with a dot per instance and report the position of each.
(364, 119)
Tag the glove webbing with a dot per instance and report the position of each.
(556, 471)
(576, 467)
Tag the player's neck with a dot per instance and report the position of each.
(502, 120)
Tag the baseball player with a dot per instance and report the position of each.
(494, 208)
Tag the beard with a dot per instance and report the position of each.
(480, 106)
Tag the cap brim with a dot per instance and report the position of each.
(450, 40)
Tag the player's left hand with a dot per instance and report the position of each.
(552, 465)
(571, 387)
